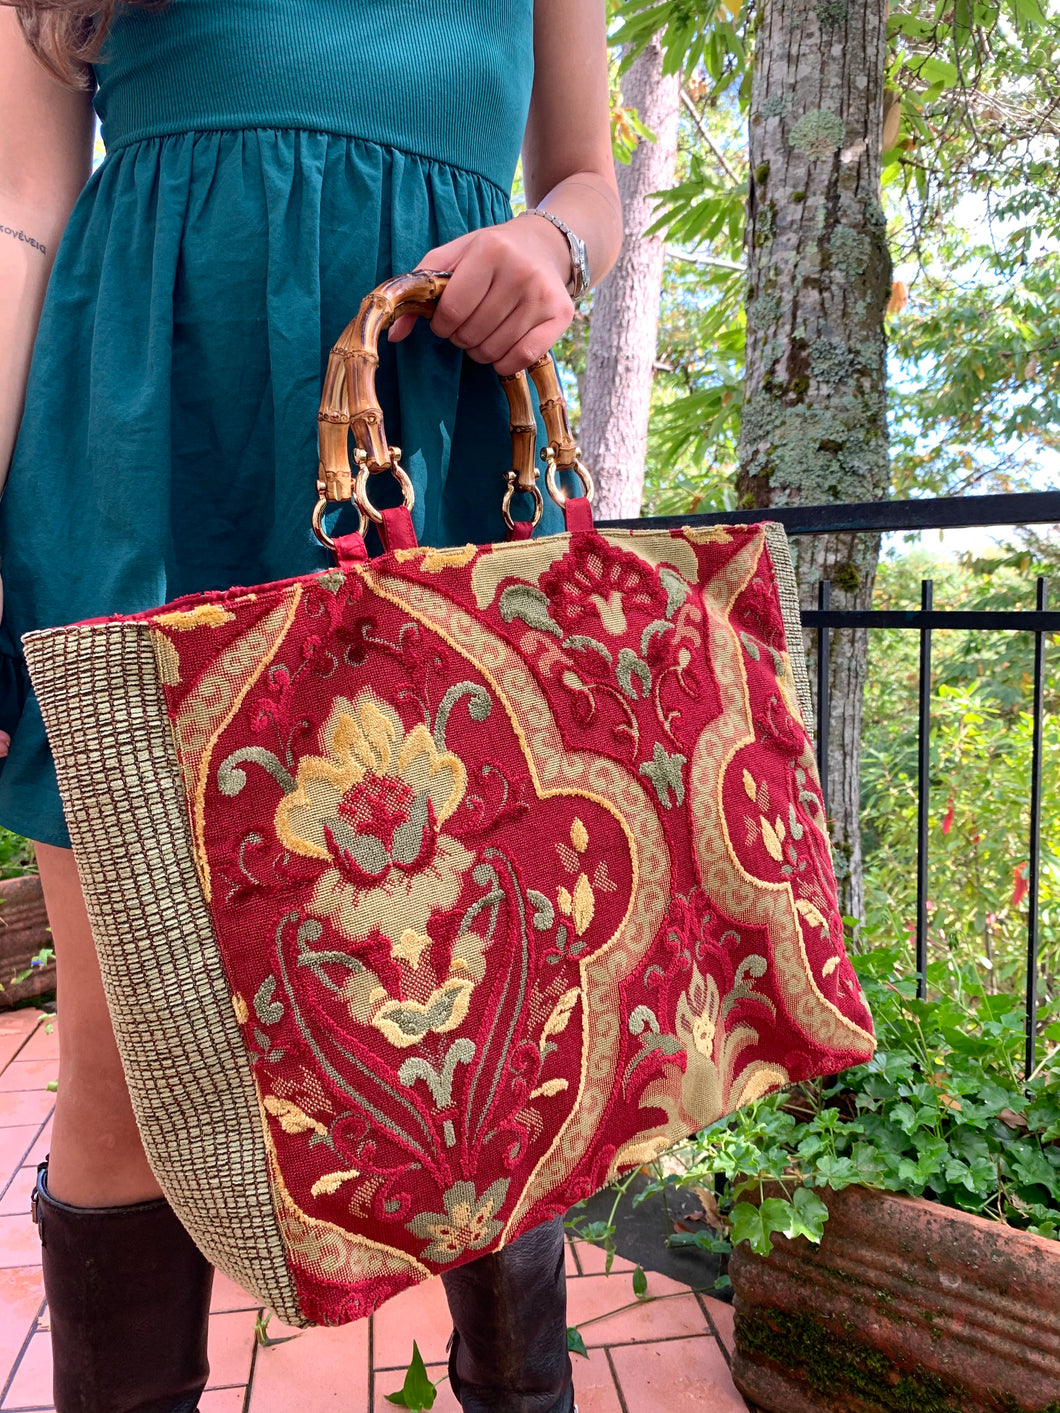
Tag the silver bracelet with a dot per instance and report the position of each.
(579, 256)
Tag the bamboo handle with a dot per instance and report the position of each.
(349, 401)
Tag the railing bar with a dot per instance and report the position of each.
(1001, 620)
(927, 590)
(824, 690)
(939, 513)
(1034, 861)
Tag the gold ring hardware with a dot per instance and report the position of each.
(580, 470)
(319, 510)
(506, 503)
(360, 491)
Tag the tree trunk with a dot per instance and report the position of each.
(619, 365)
(819, 277)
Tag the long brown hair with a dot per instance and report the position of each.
(66, 35)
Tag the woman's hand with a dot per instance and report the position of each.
(507, 302)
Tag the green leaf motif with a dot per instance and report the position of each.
(528, 603)
(664, 772)
(266, 1009)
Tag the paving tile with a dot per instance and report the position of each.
(15, 1144)
(10, 1046)
(319, 1371)
(20, 1022)
(39, 1151)
(21, 1296)
(594, 1387)
(223, 1400)
(229, 1296)
(594, 1384)
(43, 1044)
(32, 1385)
(593, 1260)
(19, 1242)
(592, 1296)
(15, 1201)
(721, 1318)
(570, 1265)
(420, 1314)
(30, 1106)
(28, 1074)
(676, 1376)
(231, 1348)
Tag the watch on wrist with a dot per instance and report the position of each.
(579, 256)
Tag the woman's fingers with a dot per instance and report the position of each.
(442, 257)
(466, 294)
(5, 743)
(401, 328)
(507, 300)
(529, 346)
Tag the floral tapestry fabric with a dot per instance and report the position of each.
(518, 870)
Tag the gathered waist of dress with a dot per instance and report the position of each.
(449, 81)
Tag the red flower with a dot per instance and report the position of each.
(947, 823)
(1019, 885)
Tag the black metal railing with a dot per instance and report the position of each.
(1030, 508)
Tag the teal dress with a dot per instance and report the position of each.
(268, 163)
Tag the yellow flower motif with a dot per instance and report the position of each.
(698, 1011)
(406, 1022)
(373, 807)
(410, 948)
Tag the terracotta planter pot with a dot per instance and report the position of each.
(23, 933)
(905, 1307)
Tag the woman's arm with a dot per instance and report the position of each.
(45, 160)
(507, 302)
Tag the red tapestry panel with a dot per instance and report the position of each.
(517, 864)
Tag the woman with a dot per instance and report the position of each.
(269, 161)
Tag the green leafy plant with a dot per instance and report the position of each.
(16, 855)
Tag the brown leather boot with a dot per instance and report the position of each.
(508, 1353)
(129, 1302)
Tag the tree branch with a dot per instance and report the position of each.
(702, 130)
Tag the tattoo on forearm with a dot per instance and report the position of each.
(22, 236)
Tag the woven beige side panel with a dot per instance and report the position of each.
(184, 1058)
(788, 589)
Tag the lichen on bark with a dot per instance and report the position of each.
(818, 133)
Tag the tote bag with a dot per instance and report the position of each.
(434, 890)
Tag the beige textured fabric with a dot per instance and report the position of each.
(788, 590)
(184, 1057)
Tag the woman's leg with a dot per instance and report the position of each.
(128, 1291)
(97, 1159)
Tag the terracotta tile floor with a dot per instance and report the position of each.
(665, 1356)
